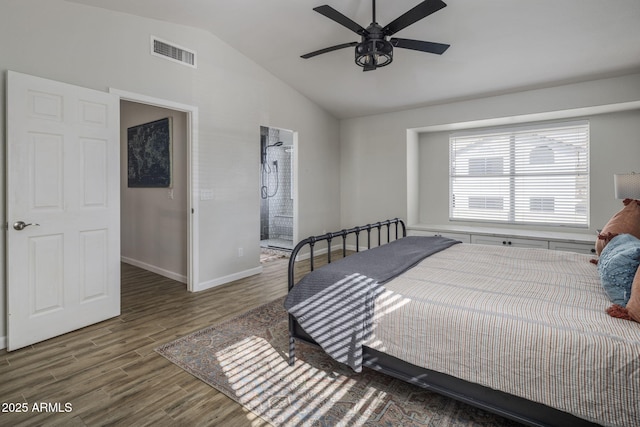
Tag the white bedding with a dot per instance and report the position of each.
(529, 322)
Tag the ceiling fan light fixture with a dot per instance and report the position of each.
(374, 53)
(375, 48)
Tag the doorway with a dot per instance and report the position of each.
(153, 214)
(189, 208)
(277, 189)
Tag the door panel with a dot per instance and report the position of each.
(63, 266)
(94, 180)
(46, 170)
(46, 281)
(94, 258)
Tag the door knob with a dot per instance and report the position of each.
(21, 225)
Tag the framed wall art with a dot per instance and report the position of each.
(149, 149)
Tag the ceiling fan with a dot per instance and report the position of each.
(376, 47)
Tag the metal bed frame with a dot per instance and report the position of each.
(495, 401)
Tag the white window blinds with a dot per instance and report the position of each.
(528, 175)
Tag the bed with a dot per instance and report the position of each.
(519, 332)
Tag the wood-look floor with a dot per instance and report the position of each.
(109, 372)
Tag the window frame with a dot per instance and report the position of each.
(519, 183)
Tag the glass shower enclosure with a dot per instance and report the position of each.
(276, 189)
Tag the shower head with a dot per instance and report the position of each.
(266, 147)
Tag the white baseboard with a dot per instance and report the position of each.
(353, 248)
(317, 252)
(154, 269)
(3, 343)
(226, 279)
(302, 257)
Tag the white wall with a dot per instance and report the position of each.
(100, 49)
(154, 225)
(376, 156)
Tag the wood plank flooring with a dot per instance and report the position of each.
(109, 373)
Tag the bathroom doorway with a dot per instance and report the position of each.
(276, 190)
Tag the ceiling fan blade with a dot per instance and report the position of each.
(429, 47)
(334, 15)
(327, 49)
(422, 10)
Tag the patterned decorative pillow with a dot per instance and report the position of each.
(627, 220)
(617, 267)
(632, 310)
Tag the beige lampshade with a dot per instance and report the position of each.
(627, 185)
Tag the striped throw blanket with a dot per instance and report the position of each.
(335, 303)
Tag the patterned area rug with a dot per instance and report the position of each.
(246, 359)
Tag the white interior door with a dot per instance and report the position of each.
(63, 208)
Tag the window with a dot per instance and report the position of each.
(529, 175)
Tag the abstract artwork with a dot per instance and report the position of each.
(149, 154)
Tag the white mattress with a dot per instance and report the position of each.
(529, 322)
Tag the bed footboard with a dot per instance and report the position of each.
(393, 228)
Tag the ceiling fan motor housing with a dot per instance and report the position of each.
(374, 50)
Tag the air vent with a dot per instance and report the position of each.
(173, 52)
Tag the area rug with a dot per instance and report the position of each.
(246, 359)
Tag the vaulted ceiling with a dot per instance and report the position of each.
(497, 46)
